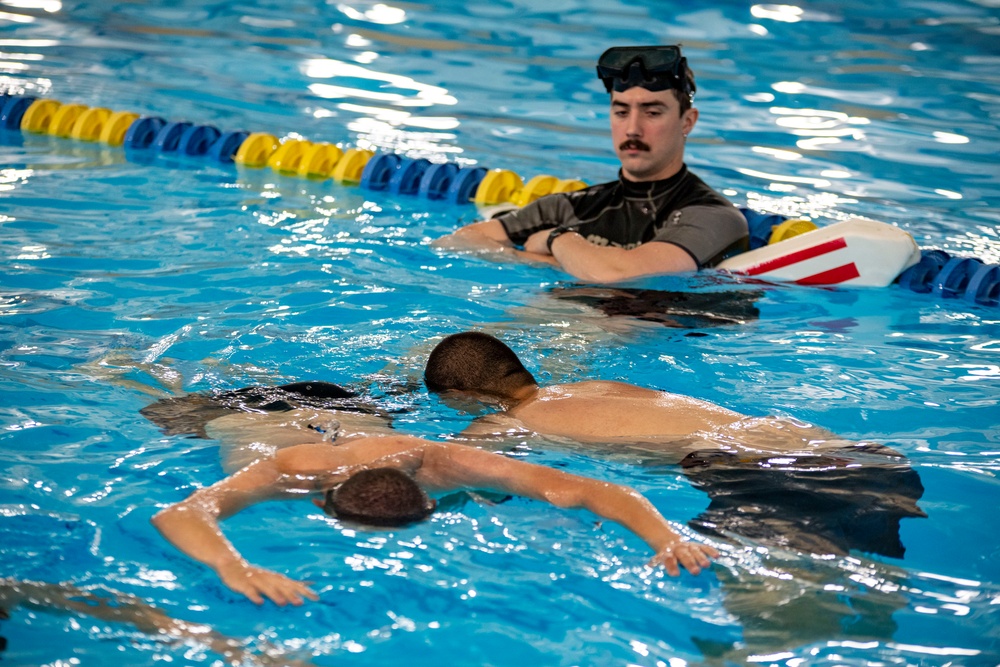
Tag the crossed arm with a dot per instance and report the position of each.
(574, 254)
(193, 524)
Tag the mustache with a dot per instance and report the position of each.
(633, 144)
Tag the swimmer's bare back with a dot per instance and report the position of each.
(599, 411)
(247, 436)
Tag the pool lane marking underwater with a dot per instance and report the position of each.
(930, 271)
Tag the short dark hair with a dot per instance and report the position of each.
(684, 99)
(188, 414)
(379, 497)
(476, 362)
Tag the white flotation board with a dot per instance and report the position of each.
(852, 252)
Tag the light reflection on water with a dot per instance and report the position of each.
(211, 277)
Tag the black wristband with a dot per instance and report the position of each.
(555, 233)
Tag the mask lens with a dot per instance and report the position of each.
(654, 59)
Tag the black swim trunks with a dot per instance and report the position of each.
(188, 415)
(682, 210)
(833, 502)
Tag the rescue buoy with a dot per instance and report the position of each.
(852, 252)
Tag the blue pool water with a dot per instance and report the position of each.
(113, 271)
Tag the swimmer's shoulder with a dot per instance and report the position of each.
(315, 458)
(599, 389)
(308, 458)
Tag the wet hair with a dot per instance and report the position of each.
(476, 362)
(684, 99)
(188, 415)
(379, 497)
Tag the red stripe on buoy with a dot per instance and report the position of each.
(799, 256)
(831, 277)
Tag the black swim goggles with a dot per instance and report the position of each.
(651, 67)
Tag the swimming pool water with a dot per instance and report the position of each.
(115, 270)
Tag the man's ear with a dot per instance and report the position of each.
(689, 119)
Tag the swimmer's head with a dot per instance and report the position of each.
(385, 497)
(476, 362)
(313, 394)
(654, 68)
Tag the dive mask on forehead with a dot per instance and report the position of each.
(651, 67)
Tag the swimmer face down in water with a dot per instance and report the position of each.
(478, 366)
(315, 469)
(780, 482)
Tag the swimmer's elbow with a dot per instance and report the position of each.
(613, 501)
(573, 492)
(166, 516)
(173, 515)
(162, 519)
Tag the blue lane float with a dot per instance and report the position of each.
(984, 286)
(379, 170)
(953, 279)
(464, 185)
(920, 277)
(760, 225)
(406, 179)
(142, 132)
(949, 277)
(197, 139)
(168, 139)
(14, 107)
(436, 180)
(224, 148)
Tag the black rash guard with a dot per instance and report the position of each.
(681, 210)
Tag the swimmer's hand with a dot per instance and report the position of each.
(693, 556)
(257, 583)
(538, 242)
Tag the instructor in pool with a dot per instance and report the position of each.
(657, 218)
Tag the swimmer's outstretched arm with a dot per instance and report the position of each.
(192, 526)
(456, 466)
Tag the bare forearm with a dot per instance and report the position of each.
(456, 466)
(632, 510)
(195, 532)
(608, 264)
(582, 259)
(490, 237)
(629, 508)
(483, 235)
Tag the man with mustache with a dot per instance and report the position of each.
(657, 217)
